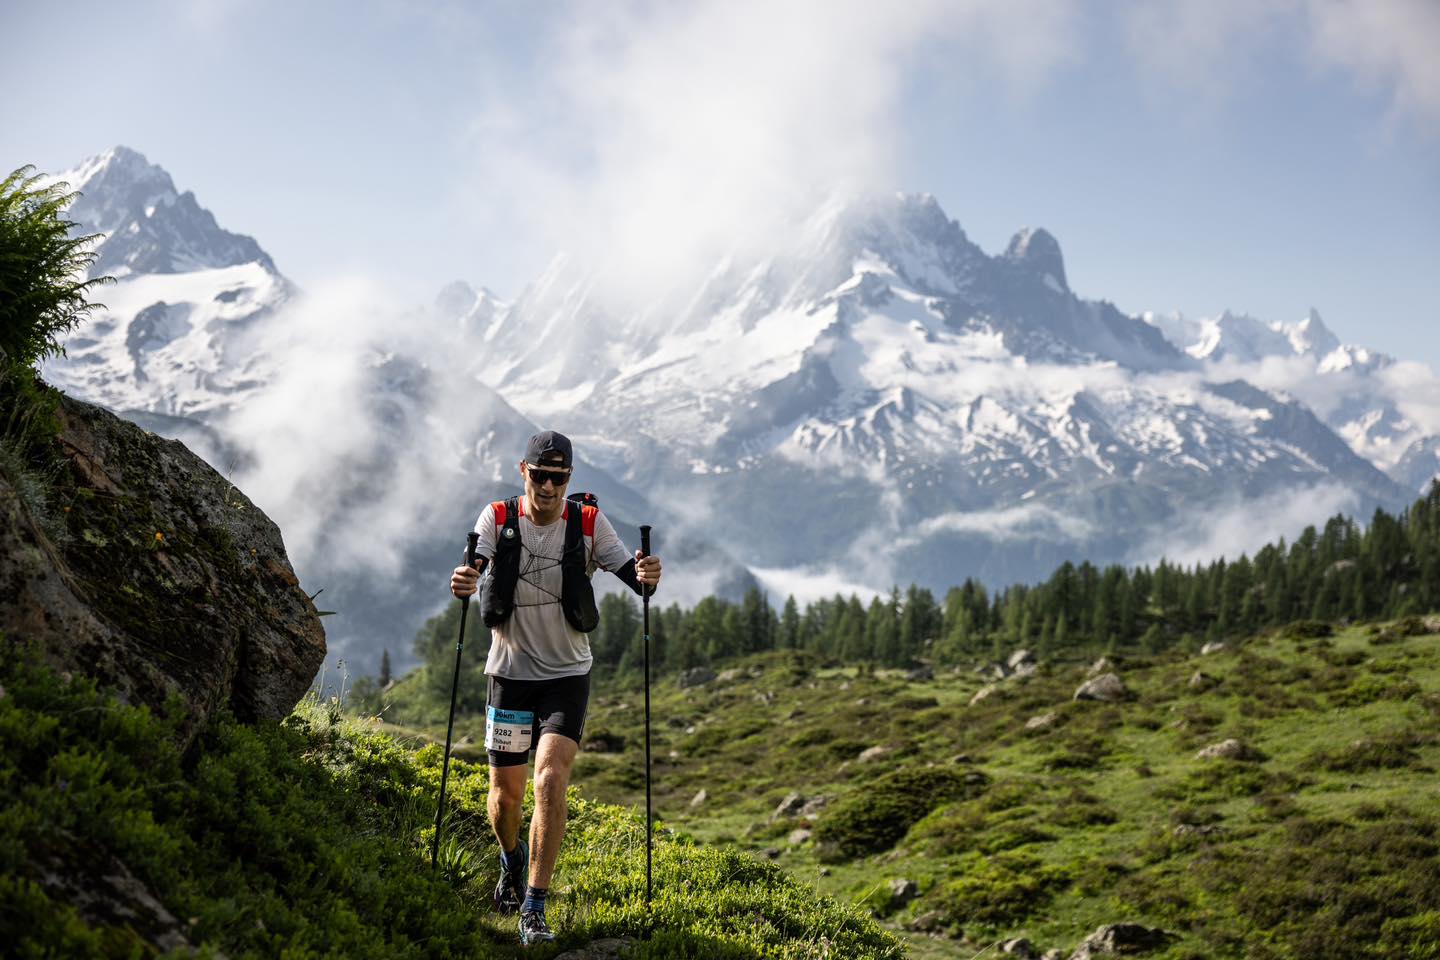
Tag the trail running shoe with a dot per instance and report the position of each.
(510, 889)
(534, 929)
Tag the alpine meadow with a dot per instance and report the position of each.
(1046, 592)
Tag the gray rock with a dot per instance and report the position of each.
(1214, 646)
(998, 672)
(813, 806)
(903, 890)
(798, 836)
(1019, 947)
(106, 894)
(1201, 681)
(788, 807)
(984, 693)
(603, 741)
(932, 921)
(920, 674)
(1027, 669)
(1019, 657)
(1121, 938)
(1056, 954)
(1103, 665)
(1107, 687)
(696, 676)
(1231, 749)
(1043, 722)
(699, 799)
(730, 676)
(876, 752)
(1198, 829)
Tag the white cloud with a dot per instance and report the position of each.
(657, 137)
(1395, 43)
(809, 585)
(1238, 526)
(1027, 521)
(1206, 48)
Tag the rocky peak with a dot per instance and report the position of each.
(149, 226)
(1312, 336)
(1036, 249)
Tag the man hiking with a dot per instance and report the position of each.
(538, 553)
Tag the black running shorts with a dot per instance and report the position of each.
(517, 712)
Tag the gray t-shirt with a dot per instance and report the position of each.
(537, 642)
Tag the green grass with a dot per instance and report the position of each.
(1321, 845)
(310, 838)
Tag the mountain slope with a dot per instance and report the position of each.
(883, 400)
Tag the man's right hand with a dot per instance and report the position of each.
(464, 582)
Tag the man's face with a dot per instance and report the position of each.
(544, 484)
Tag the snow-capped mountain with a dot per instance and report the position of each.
(1361, 394)
(177, 340)
(873, 399)
(345, 427)
(885, 401)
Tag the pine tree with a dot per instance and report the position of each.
(385, 668)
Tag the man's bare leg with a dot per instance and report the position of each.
(507, 794)
(547, 828)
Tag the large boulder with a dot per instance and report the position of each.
(165, 580)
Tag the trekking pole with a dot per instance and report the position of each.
(471, 542)
(645, 603)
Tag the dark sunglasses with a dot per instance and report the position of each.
(557, 477)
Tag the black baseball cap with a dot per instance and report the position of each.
(549, 448)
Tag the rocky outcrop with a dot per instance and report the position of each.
(164, 581)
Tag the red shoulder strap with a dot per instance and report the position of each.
(499, 507)
(587, 520)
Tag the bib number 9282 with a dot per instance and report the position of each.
(509, 731)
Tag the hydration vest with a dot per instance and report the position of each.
(577, 595)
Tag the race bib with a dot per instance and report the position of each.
(509, 731)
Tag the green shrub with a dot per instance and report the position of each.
(1000, 891)
(40, 298)
(1392, 751)
(878, 813)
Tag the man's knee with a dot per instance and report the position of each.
(507, 789)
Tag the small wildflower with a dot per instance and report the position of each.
(159, 537)
(66, 509)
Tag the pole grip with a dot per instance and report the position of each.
(472, 543)
(645, 552)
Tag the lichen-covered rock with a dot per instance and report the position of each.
(1107, 687)
(169, 582)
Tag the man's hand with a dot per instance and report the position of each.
(647, 569)
(464, 582)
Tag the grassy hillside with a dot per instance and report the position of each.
(1318, 841)
(310, 839)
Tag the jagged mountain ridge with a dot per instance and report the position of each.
(888, 383)
(877, 397)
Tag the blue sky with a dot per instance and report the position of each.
(1265, 156)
